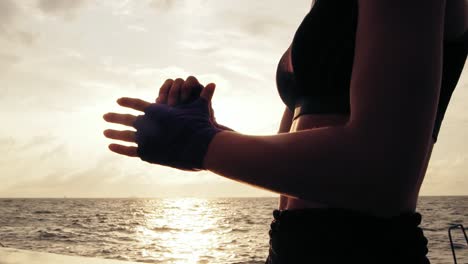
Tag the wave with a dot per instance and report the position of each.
(43, 212)
(165, 229)
(234, 230)
(47, 235)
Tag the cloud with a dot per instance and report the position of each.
(137, 28)
(252, 18)
(6, 60)
(8, 12)
(37, 141)
(58, 181)
(10, 31)
(6, 143)
(242, 70)
(26, 38)
(199, 45)
(262, 24)
(164, 5)
(60, 7)
(107, 178)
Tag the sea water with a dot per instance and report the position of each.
(184, 230)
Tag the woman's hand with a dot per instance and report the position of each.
(171, 136)
(178, 91)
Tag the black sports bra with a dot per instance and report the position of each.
(314, 74)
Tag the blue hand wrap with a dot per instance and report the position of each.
(176, 136)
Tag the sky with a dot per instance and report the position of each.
(64, 63)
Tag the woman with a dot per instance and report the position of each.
(366, 84)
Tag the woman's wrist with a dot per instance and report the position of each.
(175, 136)
(212, 150)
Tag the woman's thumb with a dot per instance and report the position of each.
(208, 91)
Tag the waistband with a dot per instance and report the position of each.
(292, 219)
(327, 230)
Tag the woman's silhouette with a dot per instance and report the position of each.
(366, 84)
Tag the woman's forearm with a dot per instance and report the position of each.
(324, 164)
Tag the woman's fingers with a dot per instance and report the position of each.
(124, 150)
(127, 135)
(190, 86)
(164, 92)
(174, 92)
(123, 119)
(208, 92)
(133, 103)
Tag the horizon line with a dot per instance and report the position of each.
(187, 197)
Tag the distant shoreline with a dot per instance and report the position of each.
(188, 197)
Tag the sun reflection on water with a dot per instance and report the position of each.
(183, 229)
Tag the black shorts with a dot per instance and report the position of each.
(325, 236)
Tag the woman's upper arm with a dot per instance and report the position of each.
(374, 160)
(397, 74)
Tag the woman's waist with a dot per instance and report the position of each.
(290, 203)
(321, 108)
(306, 118)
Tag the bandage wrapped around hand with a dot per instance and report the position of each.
(175, 136)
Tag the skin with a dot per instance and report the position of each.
(456, 23)
(373, 160)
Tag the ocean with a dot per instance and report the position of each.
(184, 230)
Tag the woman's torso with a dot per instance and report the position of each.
(456, 24)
